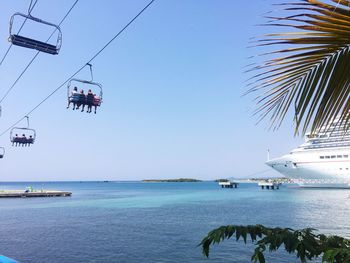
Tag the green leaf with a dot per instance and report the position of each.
(309, 72)
(304, 243)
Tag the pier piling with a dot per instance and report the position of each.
(228, 184)
(269, 185)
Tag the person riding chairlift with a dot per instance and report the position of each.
(73, 98)
(97, 102)
(15, 140)
(89, 101)
(23, 140)
(82, 100)
(30, 140)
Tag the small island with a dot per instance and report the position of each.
(179, 180)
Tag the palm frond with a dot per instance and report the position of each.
(310, 73)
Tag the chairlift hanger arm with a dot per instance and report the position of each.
(27, 121)
(92, 76)
(33, 19)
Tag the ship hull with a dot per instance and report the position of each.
(321, 169)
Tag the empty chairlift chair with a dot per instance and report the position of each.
(21, 136)
(27, 42)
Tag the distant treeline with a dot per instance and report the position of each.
(179, 180)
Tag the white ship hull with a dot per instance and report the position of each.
(316, 167)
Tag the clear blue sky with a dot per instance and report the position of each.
(172, 93)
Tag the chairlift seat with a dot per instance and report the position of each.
(33, 44)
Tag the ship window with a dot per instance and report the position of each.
(321, 157)
(345, 156)
(339, 156)
(327, 156)
(333, 156)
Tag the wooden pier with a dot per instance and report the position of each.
(33, 193)
(269, 185)
(228, 184)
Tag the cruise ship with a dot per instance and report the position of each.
(323, 160)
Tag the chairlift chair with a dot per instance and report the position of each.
(2, 152)
(21, 136)
(70, 87)
(77, 98)
(26, 42)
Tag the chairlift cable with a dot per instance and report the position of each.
(35, 56)
(81, 68)
(30, 9)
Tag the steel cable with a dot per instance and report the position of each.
(35, 56)
(81, 68)
(19, 30)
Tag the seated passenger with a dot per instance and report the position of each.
(15, 140)
(23, 140)
(89, 100)
(30, 140)
(74, 97)
(97, 101)
(82, 100)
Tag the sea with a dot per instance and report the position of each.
(157, 222)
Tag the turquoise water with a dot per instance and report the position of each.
(156, 222)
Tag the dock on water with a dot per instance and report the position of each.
(33, 193)
(269, 185)
(228, 184)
